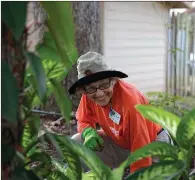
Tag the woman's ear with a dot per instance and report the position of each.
(79, 91)
(113, 81)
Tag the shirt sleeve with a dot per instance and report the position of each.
(85, 114)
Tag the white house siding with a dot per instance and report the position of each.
(134, 40)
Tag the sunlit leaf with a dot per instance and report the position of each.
(54, 69)
(89, 176)
(86, 176)
(14, 16)
(57, 175)
(9, 94)
(186, 130)
(30, 132)
(166, 119)
(163, 170)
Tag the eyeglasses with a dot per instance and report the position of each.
(93, 89)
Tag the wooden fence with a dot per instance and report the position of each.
(181, 55)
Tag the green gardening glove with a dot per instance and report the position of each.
(92, 140)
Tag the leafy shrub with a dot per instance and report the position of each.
(175, 104)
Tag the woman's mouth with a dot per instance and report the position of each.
(101, 98)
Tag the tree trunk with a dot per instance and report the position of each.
(87, 36)
(12, 53)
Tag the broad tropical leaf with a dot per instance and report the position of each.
(62, 31)
(14, 16)
(88, 176)
(43, 170)
(54, 69)
(57, 175)
(48, 50)
(160, 149)
(30, 132)
(101, 171)
(163, 170)
(186, 130)
(38, 70)
(62, 99)
(31, 98)
(166, 119)
(9, 94)
(60, 165)
(73, 171)
(40, 156)
(34, 123)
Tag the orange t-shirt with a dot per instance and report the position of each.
(133, 131)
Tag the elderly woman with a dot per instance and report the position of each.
(110, 102)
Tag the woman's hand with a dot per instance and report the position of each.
(92, 140)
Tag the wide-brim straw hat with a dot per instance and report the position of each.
(91, 67)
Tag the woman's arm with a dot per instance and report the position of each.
(85, 115)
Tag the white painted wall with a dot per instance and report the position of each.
(134, 40)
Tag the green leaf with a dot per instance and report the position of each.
(62, 99)
(88, 176)
(21, 173)
(62, 30)
(175, 50)
(100, 170)
(186, 131)
(54, 69)
(34, 123)
(40, 156)
(9, 94)
(7, 153)
(160, 149)
(166, 119)
(38, 70)
(57, 175)
(163, 170)
(48, 50)
(26, 137)
(43, 170)
(29, 136)
(14, 16)
(73, 171)
(31, 98)
(59, 165)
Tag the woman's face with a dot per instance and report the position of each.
(101, 91)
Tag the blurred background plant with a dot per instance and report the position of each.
(176, 104)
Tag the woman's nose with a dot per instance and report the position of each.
(99, 93)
